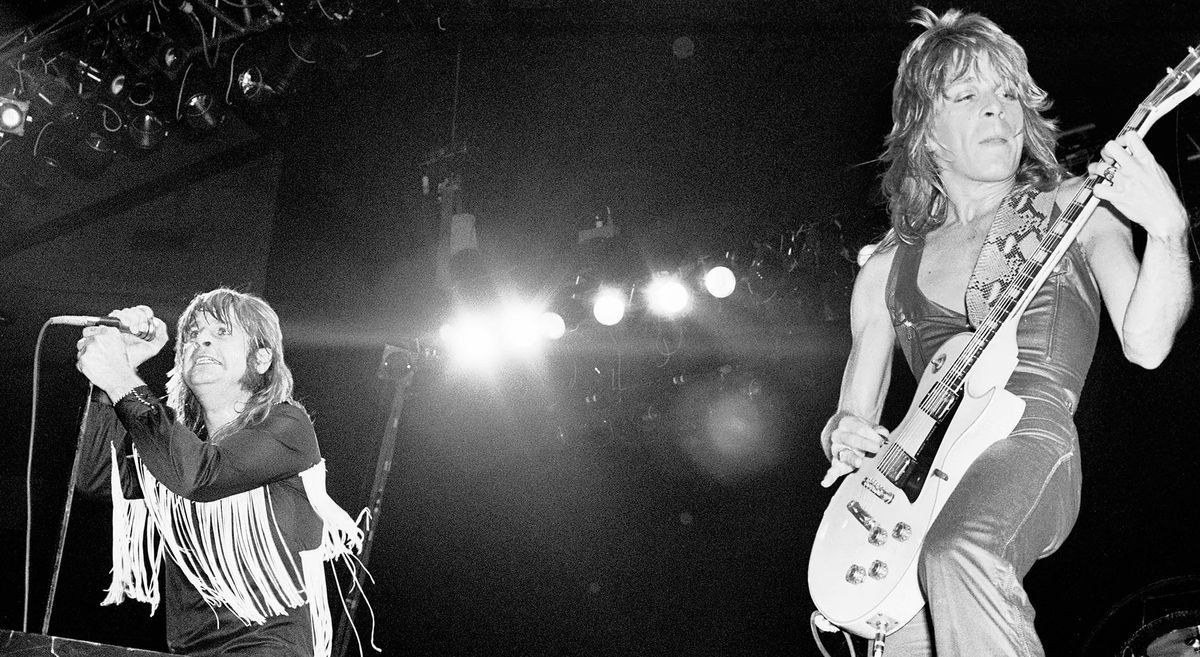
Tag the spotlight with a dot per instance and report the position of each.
(145, 126)
(255, 86)
(93, 74)
(720, 281)
(198, 104)
(263, 71)
(202, 111)
(553, 325)
(609, 306)
(146, 130)
(152, 52)
(115, 87)
(12, 115)
(667, 296)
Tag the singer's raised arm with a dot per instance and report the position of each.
(283, 445)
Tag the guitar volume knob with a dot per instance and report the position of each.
(902, 531)
(878, 536)
(879, 570)
(856, 574)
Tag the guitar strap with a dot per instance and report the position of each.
(1021, 221)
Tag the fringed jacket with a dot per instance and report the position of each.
(245, 523)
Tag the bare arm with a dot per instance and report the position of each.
(853, 430)
(1148, 301)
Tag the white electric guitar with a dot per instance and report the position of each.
(862, 572)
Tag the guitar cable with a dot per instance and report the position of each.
(816, 628)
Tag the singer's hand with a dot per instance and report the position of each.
(149, 333)
(104, 359)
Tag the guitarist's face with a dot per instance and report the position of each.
(977, 131)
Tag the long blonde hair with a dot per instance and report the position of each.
(948, 49)
(253, 315)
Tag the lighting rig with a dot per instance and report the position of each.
(615, 350)
(100, 79)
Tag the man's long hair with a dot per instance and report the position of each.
(252, 315)
(949, 48)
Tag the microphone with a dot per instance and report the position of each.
(87, 320)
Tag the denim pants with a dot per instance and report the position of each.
(1015, 504)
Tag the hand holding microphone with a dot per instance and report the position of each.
(110, 354)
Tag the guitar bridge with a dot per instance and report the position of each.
(878, 490)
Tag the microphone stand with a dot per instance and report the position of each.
(404, 378)
(62, 530)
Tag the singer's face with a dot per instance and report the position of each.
(214, 353)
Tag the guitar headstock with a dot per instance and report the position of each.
(1179, 83)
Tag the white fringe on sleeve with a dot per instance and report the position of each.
(136, 548)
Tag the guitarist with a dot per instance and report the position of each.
(970, 173)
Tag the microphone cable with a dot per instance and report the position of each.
(37, 357)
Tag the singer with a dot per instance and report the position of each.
(225, 479)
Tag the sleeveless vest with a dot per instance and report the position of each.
(1056, 336)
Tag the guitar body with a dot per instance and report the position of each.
(862, 572)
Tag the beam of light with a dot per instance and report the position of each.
(521, 328)
(720, 281)
(609, 306)
(468, 341)
(667, 296)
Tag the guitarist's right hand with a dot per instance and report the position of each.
(847, 439)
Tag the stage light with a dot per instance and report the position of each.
(202, 111)
(667, 296)
(253, 85)
(116, 87)
(145, 126)
(146, 130)
(609, 306)
(553, 325)
(13, 112)
(720, 281)
(151, 52)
